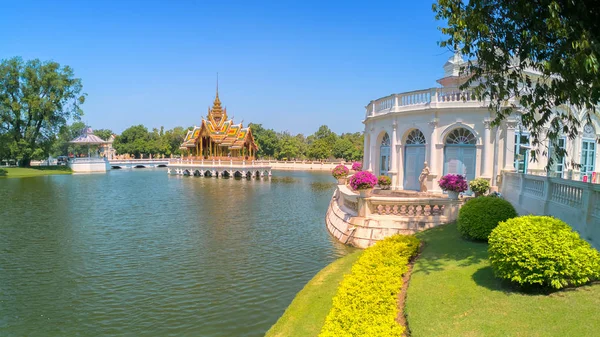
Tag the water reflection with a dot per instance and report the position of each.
(146, 254)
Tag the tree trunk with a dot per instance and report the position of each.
(25, 162)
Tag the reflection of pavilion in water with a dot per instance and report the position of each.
(219, 148)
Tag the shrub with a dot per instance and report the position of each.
(340, 171)
(356, 166)
(363, 180)
(479, 186)
(365, 303)
(542, 251)
(384, 181)
(453, 182)
(3, 172)
(479, 216)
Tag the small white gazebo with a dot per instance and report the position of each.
(90, 163)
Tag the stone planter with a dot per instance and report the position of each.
(341, 181)
(385, 187)
(453, 195)
(365, 193)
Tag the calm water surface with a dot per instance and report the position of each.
(146, 254)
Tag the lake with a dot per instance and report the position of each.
(142, 253)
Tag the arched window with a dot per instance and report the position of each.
(414, 159)
(588, 151)
(461, 136)
(384, 155)
(386, 140)
(415, 137)
(460, 153)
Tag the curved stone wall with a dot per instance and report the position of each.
(361, 222)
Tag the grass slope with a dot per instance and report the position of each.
(453, 292)
(306, 314)
(21, 172)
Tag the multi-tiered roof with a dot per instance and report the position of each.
(220, 131)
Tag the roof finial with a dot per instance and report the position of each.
(217, 84)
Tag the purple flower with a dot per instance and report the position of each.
(340, 171)
(453, 182)
(363, 180)
(356, 166)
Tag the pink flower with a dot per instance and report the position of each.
(356, 166)
(340, 171)
(453, 182)
(363, 180)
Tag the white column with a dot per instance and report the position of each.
(394, 157)
(372, 152)
(366, 150)
(432, 150)
(509, 149)
(486, 155)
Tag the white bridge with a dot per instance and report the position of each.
(219, 168)
(138, 163)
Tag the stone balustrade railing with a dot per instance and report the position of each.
(576, 203)
(428, 98)
(396, 206)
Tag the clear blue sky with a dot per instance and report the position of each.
(288, 65)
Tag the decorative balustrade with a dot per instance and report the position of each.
(576, 203)
(407, 208)
(435, 97)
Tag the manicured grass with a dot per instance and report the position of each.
(20, 172)
(453, 292)
(306, 314)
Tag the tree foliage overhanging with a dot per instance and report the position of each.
(557, 39)
(37, 99)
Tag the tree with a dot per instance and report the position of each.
(103, 133)
(67, 133)
(134, 140)
(290, 147)
(507, 39)
(266, 139)
(36, 99)
(321, 143)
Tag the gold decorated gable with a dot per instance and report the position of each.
(220, 130)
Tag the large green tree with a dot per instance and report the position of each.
(134, 140)
(266, 139)
(36, 99)
(505, 40)
(321, 143)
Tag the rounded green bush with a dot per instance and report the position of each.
(479, 216)
(542, 251)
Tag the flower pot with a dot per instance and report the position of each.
(385, 187)
(365, 193)
(453, 195)
(341, 181)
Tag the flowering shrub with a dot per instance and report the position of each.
(340, 171)
(480, 186)
(453, 182)
(384, 181)
(363, 180)
(356, 166)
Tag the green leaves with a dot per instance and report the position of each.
(543, 53)
(478, 217)
(365, 304)
(542, 251)
(36, 100)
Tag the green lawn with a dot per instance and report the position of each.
(20, 172)
(453, 292)
(306, 314)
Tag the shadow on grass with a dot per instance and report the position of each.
(443, 244)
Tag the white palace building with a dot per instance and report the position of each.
(450, 130)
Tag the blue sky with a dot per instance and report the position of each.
(288, 65)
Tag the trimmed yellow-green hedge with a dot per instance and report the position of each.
(366, 300)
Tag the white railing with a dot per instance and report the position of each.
(576, 203)
(414, 208)
(428, 98)
(87, 160)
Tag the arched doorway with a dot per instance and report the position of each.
(460, 155)
(588, 151)
(384, 155)
(414, 158)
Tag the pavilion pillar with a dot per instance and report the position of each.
(394, 157)
(509, 149)
(201, 149)
(486, 155)
(433, 154)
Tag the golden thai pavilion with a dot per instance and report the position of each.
(219, 138)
